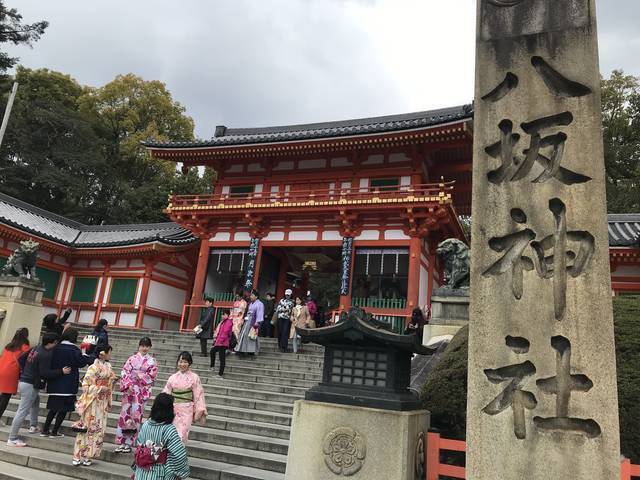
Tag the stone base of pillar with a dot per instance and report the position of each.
(330, 441)
(21, 301)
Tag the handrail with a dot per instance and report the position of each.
(436, 190)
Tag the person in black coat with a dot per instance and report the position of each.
(52, 324)
(100, 332)
(206, 324)
(63, 390)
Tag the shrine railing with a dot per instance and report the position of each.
(435, 469)
(391, 303)
(431, 192)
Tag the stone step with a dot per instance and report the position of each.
(11, 471)
(195, 449)
(59, 463)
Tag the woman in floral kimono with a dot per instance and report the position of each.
(93, 407)
(237, 314)
(188, 396)
(138, 375)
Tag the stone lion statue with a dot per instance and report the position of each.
(22, 262)
(454, 254)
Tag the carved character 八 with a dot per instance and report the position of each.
(455, 256)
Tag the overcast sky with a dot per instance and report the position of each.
(245, 63)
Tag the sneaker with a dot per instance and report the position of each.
(34, 430)
(56, 435)
(76, 463)
(16, 443)
(86, 462)
(44, 434)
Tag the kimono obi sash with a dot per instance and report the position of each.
(183, 396)
(150, 454)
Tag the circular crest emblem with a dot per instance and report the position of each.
(344, 451)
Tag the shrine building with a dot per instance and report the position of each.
(351, 211)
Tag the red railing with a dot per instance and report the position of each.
(434, 468)
(432, 453)
(399, 193)
(628, 470)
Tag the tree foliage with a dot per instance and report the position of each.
(14, 31)
(76, 150)
(621, 135)
(445, 392)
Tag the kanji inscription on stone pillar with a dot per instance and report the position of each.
(545, 405)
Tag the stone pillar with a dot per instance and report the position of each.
(22, 303)
(346, 265)
(542, 399)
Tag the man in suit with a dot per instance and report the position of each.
(206, 324)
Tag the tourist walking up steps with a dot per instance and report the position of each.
(188, 396)
(93, 407)
(248, 342)
(9, 367)
(205, 326)
(35, 371)
(283, 312)
(299, 318)
(160, 454)
(137, 378)
(221, 342)
(63, 390)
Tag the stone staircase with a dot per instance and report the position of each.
(246, 436)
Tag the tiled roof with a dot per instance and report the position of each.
(59, 229)
(344, 128)
(624, 230)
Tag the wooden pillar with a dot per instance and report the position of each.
(146, 282)
(282, 278)
(432, 245)
(199, 281)
(413, 283)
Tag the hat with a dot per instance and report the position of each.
(288, 291)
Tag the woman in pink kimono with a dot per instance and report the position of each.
(93, 407)
(188, 396)
(237, 314)
(138, 375)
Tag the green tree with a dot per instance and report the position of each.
(50, 156)
(13, 31)
(621, 135)
(135, 186)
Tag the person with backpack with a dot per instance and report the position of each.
(35, 372)
(63, 390)
(9, 367)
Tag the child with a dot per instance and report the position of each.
(138, 375)
(93, 407)
(188, 396)
(221, 343)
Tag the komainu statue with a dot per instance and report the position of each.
(22, 262)
(454, 255)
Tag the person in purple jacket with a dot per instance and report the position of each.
(221, 342)
(248, 341)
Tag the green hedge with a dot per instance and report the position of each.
(445, 392)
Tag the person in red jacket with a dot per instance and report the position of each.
(221, 343)
(9, 367)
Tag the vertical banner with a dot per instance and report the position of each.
(542, 396)
(251, 263)
(345, 277)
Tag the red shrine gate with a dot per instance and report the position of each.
(353, 210)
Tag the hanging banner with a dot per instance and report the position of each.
(251, 264)
(347, 250)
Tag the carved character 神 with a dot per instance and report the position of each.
(455, 256)
(22, 262)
